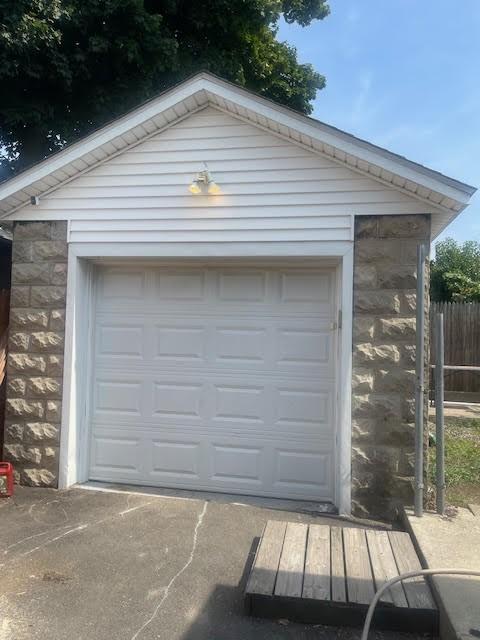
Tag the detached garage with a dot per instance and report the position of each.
(215, 292)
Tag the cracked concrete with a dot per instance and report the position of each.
(87, 564)
(166, 590)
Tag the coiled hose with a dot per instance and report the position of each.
(405, 576)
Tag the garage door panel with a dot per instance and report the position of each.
(228, 464)
(236, 464)
(215, 378)
(261, 405)
(216, 290)
(120, 341)
(302, 470)
(175, 459)
(308, 287)
(240, 403)
(297, 406)
(235, 346)
(114, 455)
(180, 343)
(180, 285)
(174, 400)
(241, 286)
(122, 285)
(303, 346)
(118, 397)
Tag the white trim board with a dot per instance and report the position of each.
(74, 428)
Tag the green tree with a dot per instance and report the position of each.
(455, 272)
(68, 66)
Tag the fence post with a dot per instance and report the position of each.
(439, 419)
(420, 382)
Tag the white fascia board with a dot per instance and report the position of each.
(105, 134)
(321, 132)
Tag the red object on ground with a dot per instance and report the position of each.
(6, 479)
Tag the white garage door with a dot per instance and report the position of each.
(215, 378)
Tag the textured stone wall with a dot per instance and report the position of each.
(383, 381)
(36, 343)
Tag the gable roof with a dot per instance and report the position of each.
(441, 193)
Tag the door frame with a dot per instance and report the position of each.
(82, 257)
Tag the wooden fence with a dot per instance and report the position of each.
(4, 315)
(462, 345)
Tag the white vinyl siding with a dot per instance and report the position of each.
(271, 188)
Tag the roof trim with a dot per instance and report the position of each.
(205, 88)
(108, 132)
(348, 137)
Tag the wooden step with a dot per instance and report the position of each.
(321, 574)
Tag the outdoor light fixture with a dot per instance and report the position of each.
(204, 182)
(195, 188)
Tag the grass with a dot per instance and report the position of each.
(462, 461)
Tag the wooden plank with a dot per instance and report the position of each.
(339, 591)
(357, 564)
(292, 561)
(416, 589)
(316, 582)
(264, 571)
(384, 567)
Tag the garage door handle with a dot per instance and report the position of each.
(337, 325)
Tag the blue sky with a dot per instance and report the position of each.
(403, 74)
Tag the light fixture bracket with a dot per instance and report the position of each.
(204, 181)
(204, 177)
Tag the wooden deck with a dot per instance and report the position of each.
(329, 575)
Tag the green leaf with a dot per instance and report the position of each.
(67, 66)
(455, 272)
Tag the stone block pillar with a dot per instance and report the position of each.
(383, 381)
(36, 344)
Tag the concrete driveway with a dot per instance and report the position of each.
(83, 564)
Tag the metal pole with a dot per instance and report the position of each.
(439, 422)
(419, 379)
